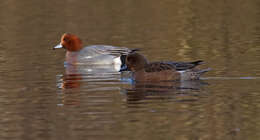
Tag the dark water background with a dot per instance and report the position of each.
(40, 100)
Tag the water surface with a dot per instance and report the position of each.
(41, 98)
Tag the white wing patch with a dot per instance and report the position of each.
(117, 61)
(88, 57)
(182, 74)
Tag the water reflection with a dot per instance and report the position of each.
(224, 33)
(71, 81)
(105, 78)
(164, 91)
(88, 78)
(76, 74)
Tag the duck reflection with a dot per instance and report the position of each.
(78, 78)
(164, 90)
(71, 81)
(76, 74)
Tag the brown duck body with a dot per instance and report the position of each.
(166, 75)
(162, 71)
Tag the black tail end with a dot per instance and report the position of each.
(134, 50)
(199, 62)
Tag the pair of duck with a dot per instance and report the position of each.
(129, 59)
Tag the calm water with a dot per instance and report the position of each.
(40, 98)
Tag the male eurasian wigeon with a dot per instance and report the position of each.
(146, 71)
(91, 55)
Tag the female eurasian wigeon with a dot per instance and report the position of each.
(91, 55)
(161, 71)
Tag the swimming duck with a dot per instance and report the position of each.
(76, 54)
(146, 71)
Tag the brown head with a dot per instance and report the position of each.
(70, 42)
(135, 62)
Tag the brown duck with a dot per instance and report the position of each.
(143, 70)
